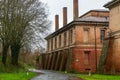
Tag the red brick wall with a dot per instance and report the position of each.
(79, 34)
(78, 64)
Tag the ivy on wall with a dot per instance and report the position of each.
(103, 56)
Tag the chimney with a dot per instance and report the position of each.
(75, 9)
(56, 22)
(64, 16)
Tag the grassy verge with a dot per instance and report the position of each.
(98, 77)
(17, 76)
(10, 72)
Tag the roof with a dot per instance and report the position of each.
(95, 10)
(112, 3)
(94, 19)
(100, 10)
(82, 20)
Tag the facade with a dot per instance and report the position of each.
(77, 45)
(112, 62)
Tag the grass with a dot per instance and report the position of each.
(17, 76)
(98, 77)
(10, 72)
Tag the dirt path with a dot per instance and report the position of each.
(52, 75)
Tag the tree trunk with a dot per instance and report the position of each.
(4, 54)
(15, 54)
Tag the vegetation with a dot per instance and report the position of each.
(9, 68)
(37, 58)
(11, 72)
(17, 76)
(98, 77)
(19, 19)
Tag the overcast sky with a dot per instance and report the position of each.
(56, 6)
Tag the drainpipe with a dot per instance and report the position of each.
(95, 46)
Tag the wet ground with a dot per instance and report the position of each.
(53, 75)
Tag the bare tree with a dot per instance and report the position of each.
(4, 29)
(18, 17)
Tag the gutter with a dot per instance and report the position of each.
(111, 3)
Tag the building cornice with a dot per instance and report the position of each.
(112, 3)
(71, 24)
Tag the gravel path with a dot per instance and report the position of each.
(52, 75)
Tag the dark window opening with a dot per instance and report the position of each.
(51, 44)
(48, 45)
(102, 35)
(65, 38)
(60, 41)
(55, 42)
(71, 36)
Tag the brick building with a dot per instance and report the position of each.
(112, 62)
(77, 45)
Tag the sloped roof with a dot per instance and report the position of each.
(94, 19)
(112, 3)
(94, 10)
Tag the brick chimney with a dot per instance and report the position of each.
(75, 9)
(64, 16)
(56, 22)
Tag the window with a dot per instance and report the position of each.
(102, 35)
(65, 38)
(86, 35)
(60, 41)
(55, 42)
(48, 45)
(71, 36)
(51, 44)
(87, 57)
